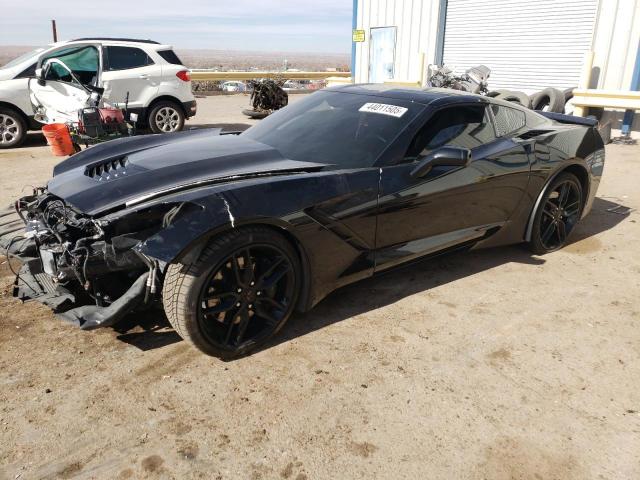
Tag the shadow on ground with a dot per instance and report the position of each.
(151, 329)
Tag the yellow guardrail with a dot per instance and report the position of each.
(210, 75)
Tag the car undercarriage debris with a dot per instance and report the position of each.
(85, 269)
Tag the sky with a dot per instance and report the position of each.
(255, 25)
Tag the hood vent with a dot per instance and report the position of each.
(107, 170)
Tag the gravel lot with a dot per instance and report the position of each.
(487, 365)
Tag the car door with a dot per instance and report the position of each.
(129, 73)
(450, 205)
(58, 94)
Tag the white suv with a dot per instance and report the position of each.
(147, 76)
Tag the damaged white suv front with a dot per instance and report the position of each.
(145, 76)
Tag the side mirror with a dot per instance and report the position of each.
(444, 156)
(40, 76)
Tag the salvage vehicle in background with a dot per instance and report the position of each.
(147, 75)
(233, 233)
(267, 96)
(233, 86)
(474, 80)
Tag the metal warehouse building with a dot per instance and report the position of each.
(528, 44)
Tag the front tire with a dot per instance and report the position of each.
(166, 117)
(13, 129)
(557, 215)
(238, 294)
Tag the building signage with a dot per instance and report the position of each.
(358, 35)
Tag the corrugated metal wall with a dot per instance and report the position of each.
(615, 44)
(615, 40)
(417, 30)
(529, 45)
(615, 47)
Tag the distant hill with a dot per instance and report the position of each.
(232, 60)
(9, 52)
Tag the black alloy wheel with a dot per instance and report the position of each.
(558, 214)
(246, 297)
(236, 294)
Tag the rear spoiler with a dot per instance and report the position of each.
(559, 117)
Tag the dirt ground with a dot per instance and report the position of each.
(493, 364)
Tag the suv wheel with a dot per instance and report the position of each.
(13, 129)
(166, 117)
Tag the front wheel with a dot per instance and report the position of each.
(238, 293)
(166, 117)
(13, 129)
(557, 215)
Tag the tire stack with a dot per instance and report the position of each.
(552, 100)
(548, 100)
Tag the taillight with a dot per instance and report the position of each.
(184, 75)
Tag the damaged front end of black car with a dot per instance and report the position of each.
(95, 243)
(89, 271)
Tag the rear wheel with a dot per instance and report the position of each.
(238, 294)
(13, 129)
(166, 117)
(557, 214)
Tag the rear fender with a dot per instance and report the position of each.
(542, 193)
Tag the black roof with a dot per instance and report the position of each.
(136, 40)
(424, 96)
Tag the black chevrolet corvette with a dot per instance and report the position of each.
(231, 233)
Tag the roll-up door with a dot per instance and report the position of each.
(527, 44)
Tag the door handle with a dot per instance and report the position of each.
(144, 75)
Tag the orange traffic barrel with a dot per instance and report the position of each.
(58, 138)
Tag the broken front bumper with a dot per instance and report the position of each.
(33, 283)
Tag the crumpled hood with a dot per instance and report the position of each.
(109, 175)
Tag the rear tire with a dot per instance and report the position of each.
(557, 215)
(549, 100)
(520, 98)
(237, 294)
(166, 117)
(256, 114)
(13, 128)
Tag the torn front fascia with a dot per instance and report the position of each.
(33, 284)
(106, 262)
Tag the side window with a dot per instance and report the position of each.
(124, 58)
(507, 119)
(57, 72)
(170, 56)
(82, 61)
(30, 71)
(465, 127)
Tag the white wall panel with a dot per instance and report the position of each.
(417, 30)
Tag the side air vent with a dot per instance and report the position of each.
(107, 170)
(533, 134)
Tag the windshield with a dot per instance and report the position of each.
(343, 129)
(24, 57)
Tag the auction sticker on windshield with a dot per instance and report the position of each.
(383, 109)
